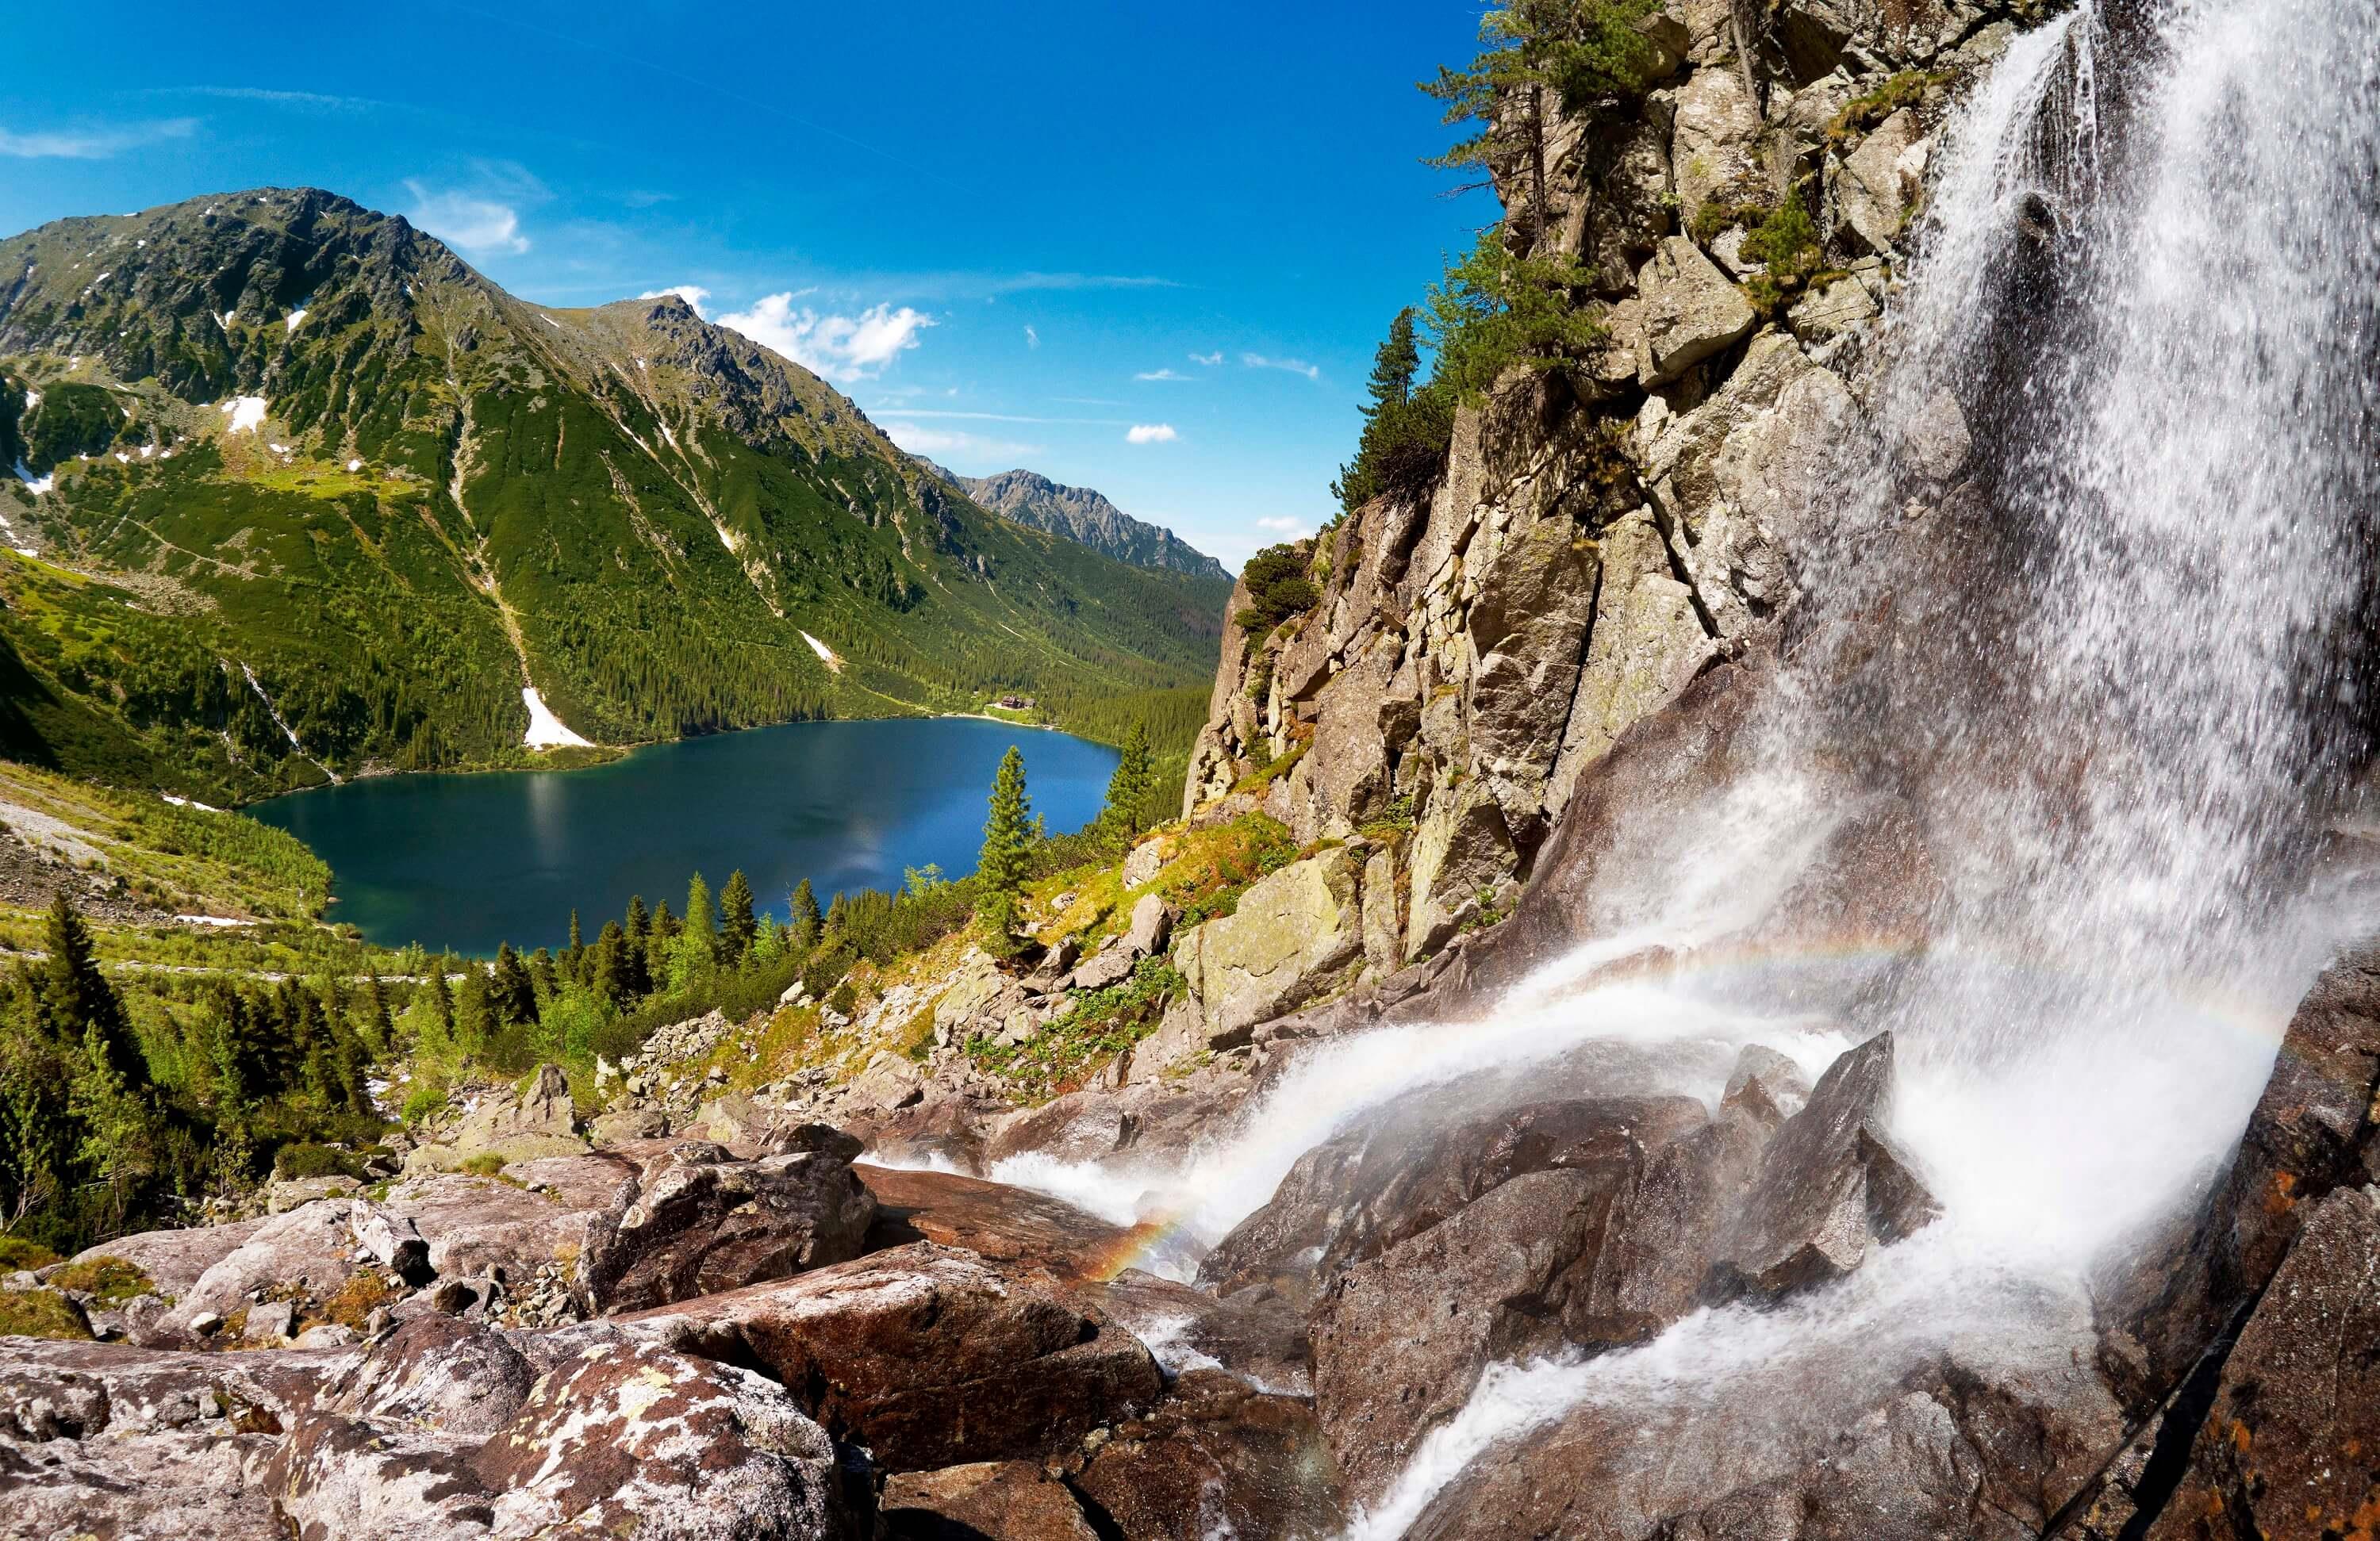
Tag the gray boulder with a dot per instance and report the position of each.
(1832, 1186)
(1293, 934)
(696, 1221)
(1691, 311)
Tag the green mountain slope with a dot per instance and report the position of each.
(316, 498)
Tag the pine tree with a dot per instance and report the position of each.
(511, 995)
(1128, 788)
(701, 915)
(1000, 866)
(1542, 58)
(441, 994)
(1394, 367)
(808, 923)
(573, 957)
(737, 926)
(379, 1026)
(77, 1003)
(608, 965)
(475, 1014)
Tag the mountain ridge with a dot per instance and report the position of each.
(316, 497)
(1086, 515)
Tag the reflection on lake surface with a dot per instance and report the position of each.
(467, 861)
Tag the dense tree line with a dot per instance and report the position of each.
(106, 1125)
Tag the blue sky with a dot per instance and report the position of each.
(1143, 248)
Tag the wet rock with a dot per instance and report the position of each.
(1832, 1186)
(1352, 1198)
(2287, 1449)
(991, 1220)
(697, 1221)
(1255, 1334)
(928, 1356)
(1293, 932)
(2311, 1134)
(1007, 1500)
(1216, 1458)
(1767, 1085)
(1399, 1340)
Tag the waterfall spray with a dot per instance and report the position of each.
(2104, 650)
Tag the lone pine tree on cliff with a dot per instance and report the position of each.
(1000, 868)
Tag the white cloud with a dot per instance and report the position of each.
(1151, 433)
(693, 294)
(1159, 374)
(306, 100)
(474, 224)
(1209, 359)
(1282, 523)
(1032, 338)
(1294, 366)
(919, 440)
(95, 144)
(842, 348)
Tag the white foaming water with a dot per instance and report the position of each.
(2117, 687)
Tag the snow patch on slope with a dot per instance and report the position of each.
(545, 729)
(827, 655)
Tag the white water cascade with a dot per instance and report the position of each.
(2115, 680)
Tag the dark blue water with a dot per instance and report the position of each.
(468, 861)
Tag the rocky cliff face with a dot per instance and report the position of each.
(1599, 540)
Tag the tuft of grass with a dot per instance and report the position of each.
(1865, 112)
(352, 1304)
(108, 1280)
(486, 1163)
(41, 1314)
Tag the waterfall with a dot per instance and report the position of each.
(2113, 667)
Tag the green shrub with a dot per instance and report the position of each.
(1278, 588)
(19, 1252)
(427, 1099)
(307, 1158)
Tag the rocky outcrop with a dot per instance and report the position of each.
(927, 1356)
(535, 1120)
(1832, 1185)
(696, 1221)
(1293, 934)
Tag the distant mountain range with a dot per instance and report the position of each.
(1083, 515)
(306, 495)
